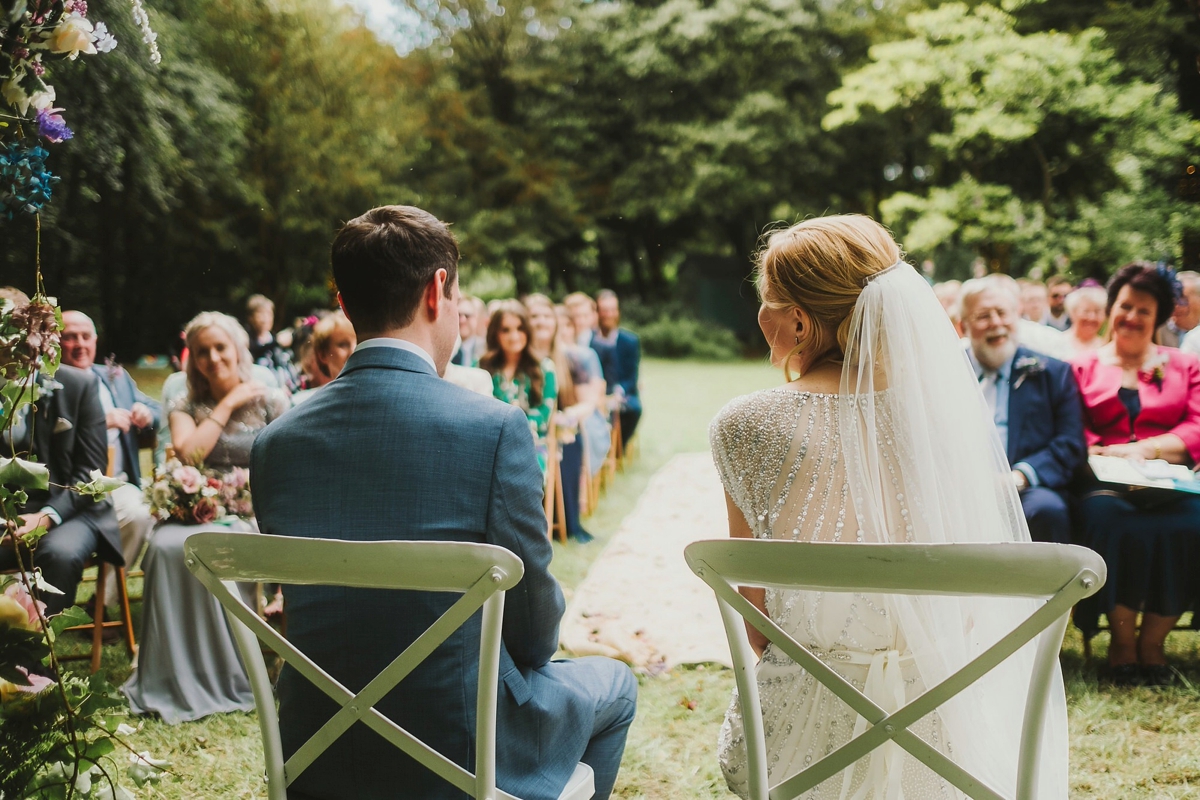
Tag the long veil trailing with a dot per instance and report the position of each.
(903, 353)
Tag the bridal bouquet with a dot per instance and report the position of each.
(196, 496)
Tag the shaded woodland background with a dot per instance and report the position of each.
(643, 146)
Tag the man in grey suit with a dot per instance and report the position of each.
(390, 451)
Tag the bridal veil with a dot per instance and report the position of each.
(903, 352)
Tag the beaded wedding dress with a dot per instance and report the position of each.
(904, 452)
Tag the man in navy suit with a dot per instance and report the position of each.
(628, 360)
(127, 413)
(1034, 401)
(389, 450)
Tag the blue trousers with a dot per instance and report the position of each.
(1046, 513)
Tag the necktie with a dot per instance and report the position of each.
(987, 383)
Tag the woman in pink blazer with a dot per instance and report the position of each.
(1141, 401)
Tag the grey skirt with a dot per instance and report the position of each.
(188, 665)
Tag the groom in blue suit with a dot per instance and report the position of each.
(391, 451)
(1034, 402)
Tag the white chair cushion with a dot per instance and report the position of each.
(582, 784)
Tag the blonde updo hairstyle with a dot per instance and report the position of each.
(198, 387)
(821, 265)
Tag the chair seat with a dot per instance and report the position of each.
(582, 784)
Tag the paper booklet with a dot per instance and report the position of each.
(1156, 474)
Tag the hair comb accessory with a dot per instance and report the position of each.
(1168, 275)
(884, 271)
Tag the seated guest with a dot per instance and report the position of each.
(519, 377)
(1058, 288)
(65, 430)
(589, 388)
(949, 294)
(421, 459)
(472, 346)
(1141, 401)
(546, 344)
(1085, 307)
(629, 357)
(266, 352)
(473, 379)
(188, 666)
(1186, 317)
(127, 413)
(331, 343)
(1035, 300)
(583, 311)
(1034, 402)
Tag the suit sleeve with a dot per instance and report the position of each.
(1056, 463)
(91, 451)
(517, 521)
(629, 357)
(140, 397)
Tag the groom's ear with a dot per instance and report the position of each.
(433, 300)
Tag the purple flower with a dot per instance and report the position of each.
(52, 126)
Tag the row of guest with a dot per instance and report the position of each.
(1128, 398)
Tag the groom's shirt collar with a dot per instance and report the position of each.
(399, 344)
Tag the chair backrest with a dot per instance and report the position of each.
(481, 573)
(1063, 573)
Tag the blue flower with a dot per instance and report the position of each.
(25, 183)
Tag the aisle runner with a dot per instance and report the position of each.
(640, 602)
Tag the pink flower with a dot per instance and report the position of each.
(205, 510)
(37, 683)
(190, 479)
(238, 478)
(18, 593)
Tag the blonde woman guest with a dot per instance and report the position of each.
(1141, 401)
(332, 342)
(547, 343)
(590, 388)
(188, 666)
(519, 377)
(1085, 308)
(879, 435)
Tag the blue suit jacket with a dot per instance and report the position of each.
(1045, 420)
(125, 393)
(629, 359)
(607, 353)
(391, 451)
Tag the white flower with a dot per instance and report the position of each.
(73, 35)
(15, 95)
(102, 39)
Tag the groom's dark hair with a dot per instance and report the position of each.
(384, 260)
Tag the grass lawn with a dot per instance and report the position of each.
(1124, 744)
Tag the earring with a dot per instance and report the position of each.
(797, 340)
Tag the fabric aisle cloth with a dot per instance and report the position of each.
(640, 602)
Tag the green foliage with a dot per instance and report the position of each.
(1041, 144)
(676, 334)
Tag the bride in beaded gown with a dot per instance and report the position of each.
(884, 438)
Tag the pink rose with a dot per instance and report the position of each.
(37, 683)
(190, 479)
(20, 594)
(205, 510)
(238, 478)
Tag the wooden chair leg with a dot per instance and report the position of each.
(123, 598)
(560, 504)
(98, 620)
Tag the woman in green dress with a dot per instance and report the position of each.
(519, 378)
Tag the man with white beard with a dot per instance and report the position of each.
(1034, 402)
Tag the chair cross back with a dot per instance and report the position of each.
(481, 573)
(1063, 573)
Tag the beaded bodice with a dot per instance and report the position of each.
(780, 458)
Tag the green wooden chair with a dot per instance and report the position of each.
(1063, 573)
(481, 573)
